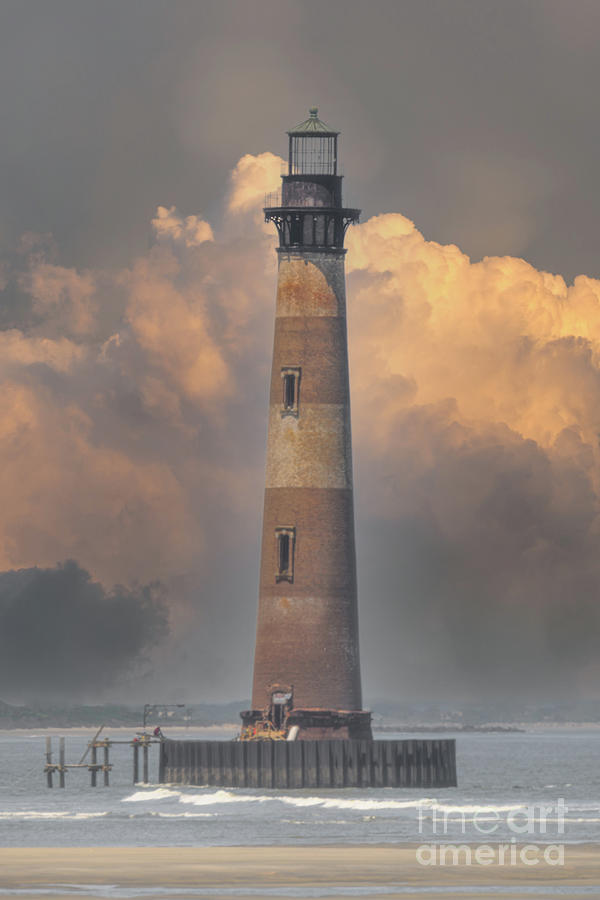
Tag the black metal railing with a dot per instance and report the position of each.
(274, 200)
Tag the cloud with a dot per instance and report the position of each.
(17, 350)
(252, 178)
(510, 343)
(172, 328)
(475, 389)
(66, 490)
(136, 446)
(192, 230)
(61, 295)
(62, 633)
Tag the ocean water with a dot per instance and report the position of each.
(505, 780)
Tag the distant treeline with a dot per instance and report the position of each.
(54, 715)
(387, 715)
(476, 715)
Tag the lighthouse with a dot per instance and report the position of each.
(307, 727)
(307, 682)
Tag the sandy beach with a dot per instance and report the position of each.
(222, 872)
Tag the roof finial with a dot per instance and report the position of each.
(314, 112)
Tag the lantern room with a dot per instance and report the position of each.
(312, 147)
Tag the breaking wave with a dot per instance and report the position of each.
(38, 814)
(215, 798)
(158, 794)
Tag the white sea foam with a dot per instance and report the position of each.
(222, 797)
(91, 815)
(184, 815)
(158, 794)
(423, 803)
(39, 814)
(569, 819)
(340, 803)
(217, 797)
(446, 808)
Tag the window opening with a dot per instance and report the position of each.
(291, 390)
(286, 539)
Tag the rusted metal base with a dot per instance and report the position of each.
(317, 724)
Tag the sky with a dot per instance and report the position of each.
(137, 287)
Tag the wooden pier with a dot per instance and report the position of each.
(99, 748)
(310, 764)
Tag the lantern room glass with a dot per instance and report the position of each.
(313, 154)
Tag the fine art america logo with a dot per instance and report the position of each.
(542, 821)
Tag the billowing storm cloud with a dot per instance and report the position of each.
(133, 422)
(63, 634)
(477, 424)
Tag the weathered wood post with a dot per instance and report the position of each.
(136, 761)
(145, 758)
(93, 769)
(106, 766)
(61, 761)
(49, 760)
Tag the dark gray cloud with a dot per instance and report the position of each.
(62, 634)
(482, 581)
(473, 118)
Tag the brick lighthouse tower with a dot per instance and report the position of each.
(306, 727)
(306, 666)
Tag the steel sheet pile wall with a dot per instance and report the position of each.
(302, 764)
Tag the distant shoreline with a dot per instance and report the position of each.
(84, 730)
(446, 729)
(231, 728)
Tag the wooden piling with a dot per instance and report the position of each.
(310, 763)
(251, 764)
(61, 762)
(168, 766)
(49, 761)
(296, 769)
(323, 764)
(280, 769)
(93, 767)
(351, 764)
(338, 763)
(226, 763)
(203, 764)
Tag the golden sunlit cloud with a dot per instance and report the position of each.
(192, 230)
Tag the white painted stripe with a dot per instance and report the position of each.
(313, 450)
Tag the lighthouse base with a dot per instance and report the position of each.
(310, 764)
(310, 724)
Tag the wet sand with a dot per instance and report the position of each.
(223, 872)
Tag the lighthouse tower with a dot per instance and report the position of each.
(306, 665)
(307, 728)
